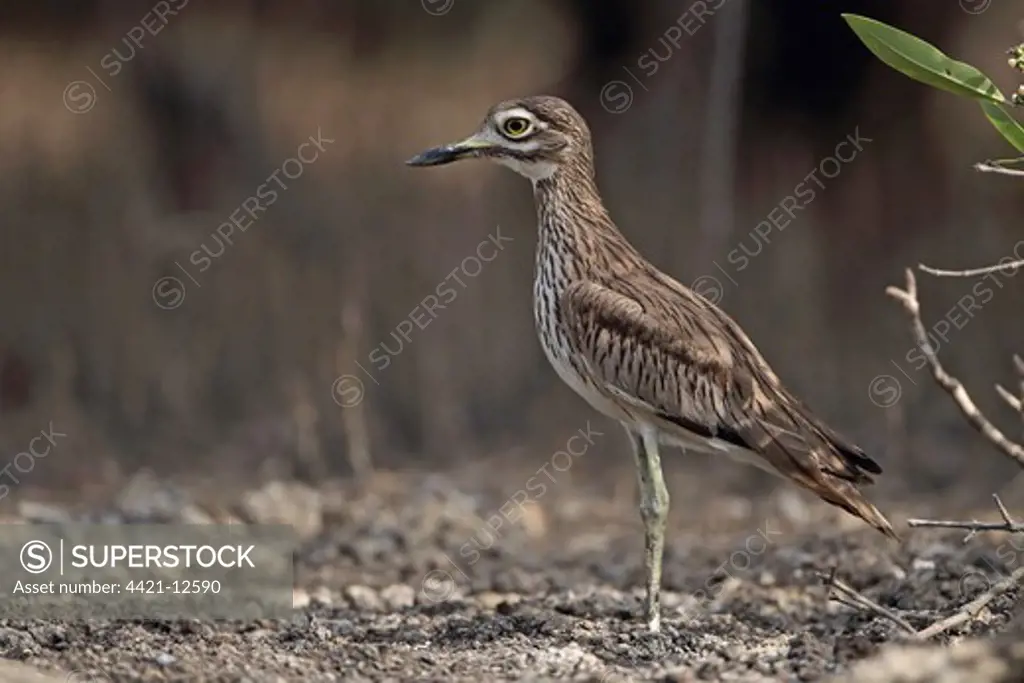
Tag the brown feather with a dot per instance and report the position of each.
(644, 349)
(687, 363)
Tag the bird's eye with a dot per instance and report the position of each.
(516, 126)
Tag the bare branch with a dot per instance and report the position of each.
(952, 385)
(1018, 364)
(1014, 265)
(1003, 512)
(969, 611)
(1014, 402)
(853, 599)
(850, 597)
(994, 167)
(974, 526)
(973, 608)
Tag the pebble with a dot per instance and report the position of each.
(398, 596)
(922, 565)
(43, 513)
(364, 598)
(146, 499)
(490, 600)
(324, 596)
(300, 598)
(291, 503)
(192, 514)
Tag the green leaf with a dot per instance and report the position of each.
(922, 61)
(1009, 127)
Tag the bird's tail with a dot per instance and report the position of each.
(846, 495)
(810, 454)
(823, 481)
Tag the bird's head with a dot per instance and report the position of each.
(535, 137)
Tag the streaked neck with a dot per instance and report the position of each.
(571, 216)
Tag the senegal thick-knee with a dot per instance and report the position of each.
(643, 349)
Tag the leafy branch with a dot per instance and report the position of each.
(923, 62)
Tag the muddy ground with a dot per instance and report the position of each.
(405, 578)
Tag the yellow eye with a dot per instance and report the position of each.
(516, 126)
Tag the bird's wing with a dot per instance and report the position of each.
(673, 357)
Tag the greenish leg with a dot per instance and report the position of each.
(654, 502)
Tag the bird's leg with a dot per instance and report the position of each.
(654, 503)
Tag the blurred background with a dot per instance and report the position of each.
(215, 264)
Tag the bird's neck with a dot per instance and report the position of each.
(574, 226)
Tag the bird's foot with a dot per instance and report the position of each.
(652, 610)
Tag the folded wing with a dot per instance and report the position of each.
(677, 361)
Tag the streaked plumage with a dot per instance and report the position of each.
(642, 348)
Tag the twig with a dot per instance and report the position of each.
(974, 526)
(1008, 524)
(1005, 163)
(1013, 265)
(1003, 166)
(1014, 402)
(987, 167)
(851, 598)
(1003, 512)
(973, 608)
(951, 384)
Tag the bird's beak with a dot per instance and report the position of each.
(472, 146)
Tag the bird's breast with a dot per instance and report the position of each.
(549, 285)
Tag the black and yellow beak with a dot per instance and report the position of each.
(472, 146)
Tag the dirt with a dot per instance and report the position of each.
(412, 577)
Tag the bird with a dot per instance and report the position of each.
(668, 364)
